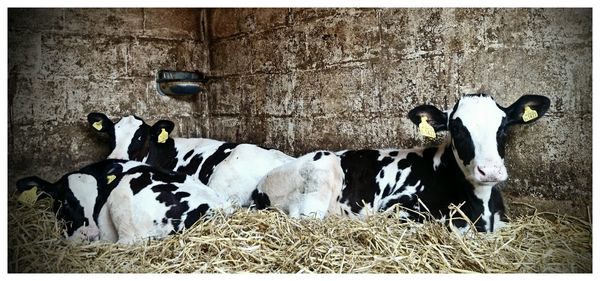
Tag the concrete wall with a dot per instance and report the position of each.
(302, 79)
(65, 63)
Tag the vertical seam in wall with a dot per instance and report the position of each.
(206, 43)
(126, 59)
(143, 21)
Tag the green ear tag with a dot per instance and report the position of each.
(426, 129)
(110, 178)
(28, 197)
(529, 114)
(163, 136)
(97, 125)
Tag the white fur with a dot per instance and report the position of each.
(124, 130)
(305, 187)
(484, 193)
(84, 188)
(498, 223)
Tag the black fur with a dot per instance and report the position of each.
(194, 215)
(361, 167)
(462, 141)
(213, 160)
(260, 200)
(317, 156)
(192, 166)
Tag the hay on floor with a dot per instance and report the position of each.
(269, 241)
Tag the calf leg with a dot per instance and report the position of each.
(120, 208)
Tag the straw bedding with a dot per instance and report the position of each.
(268, 241)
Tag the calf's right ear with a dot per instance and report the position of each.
(99, 122)
(160, 131)
(431, 115)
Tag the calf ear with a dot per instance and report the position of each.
(435, 117)
(160, 131)
(527, 109)
(27, 184)
(113, 172)
(99, 122)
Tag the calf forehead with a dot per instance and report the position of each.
(480, 115)
(83, 186)
(477, 110)
(85, 189)
(126, 127)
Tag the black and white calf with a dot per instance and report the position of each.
(464, 169)
(231, 169)
(125, 201)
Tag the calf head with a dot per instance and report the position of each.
(74, 199)
(130, 136)
(478, 128)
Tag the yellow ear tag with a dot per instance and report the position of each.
(529, 114)
(28, 197)
(163, 136)
(97, 125)
(110, 178)
(426, 129)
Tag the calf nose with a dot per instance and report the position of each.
(490, 173)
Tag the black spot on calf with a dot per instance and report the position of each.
(191, 167)
(187, 155)
(261, 200)
(139, 183)
(194, 215)
(462, 141)
(318, 156)
(214, 160)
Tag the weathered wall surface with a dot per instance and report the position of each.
(65, 63)
(304, 79)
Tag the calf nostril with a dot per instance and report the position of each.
(480, 171)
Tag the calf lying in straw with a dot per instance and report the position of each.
(125, 201)
(463, 171)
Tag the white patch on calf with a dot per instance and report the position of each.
(498, 223)
(437, 158)
(124, 132)
(185, 145)
(305, 187)
(84, 188)
(238, 175)
(484, 193)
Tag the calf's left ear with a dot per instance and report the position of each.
(527, 109)
(160, 131)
